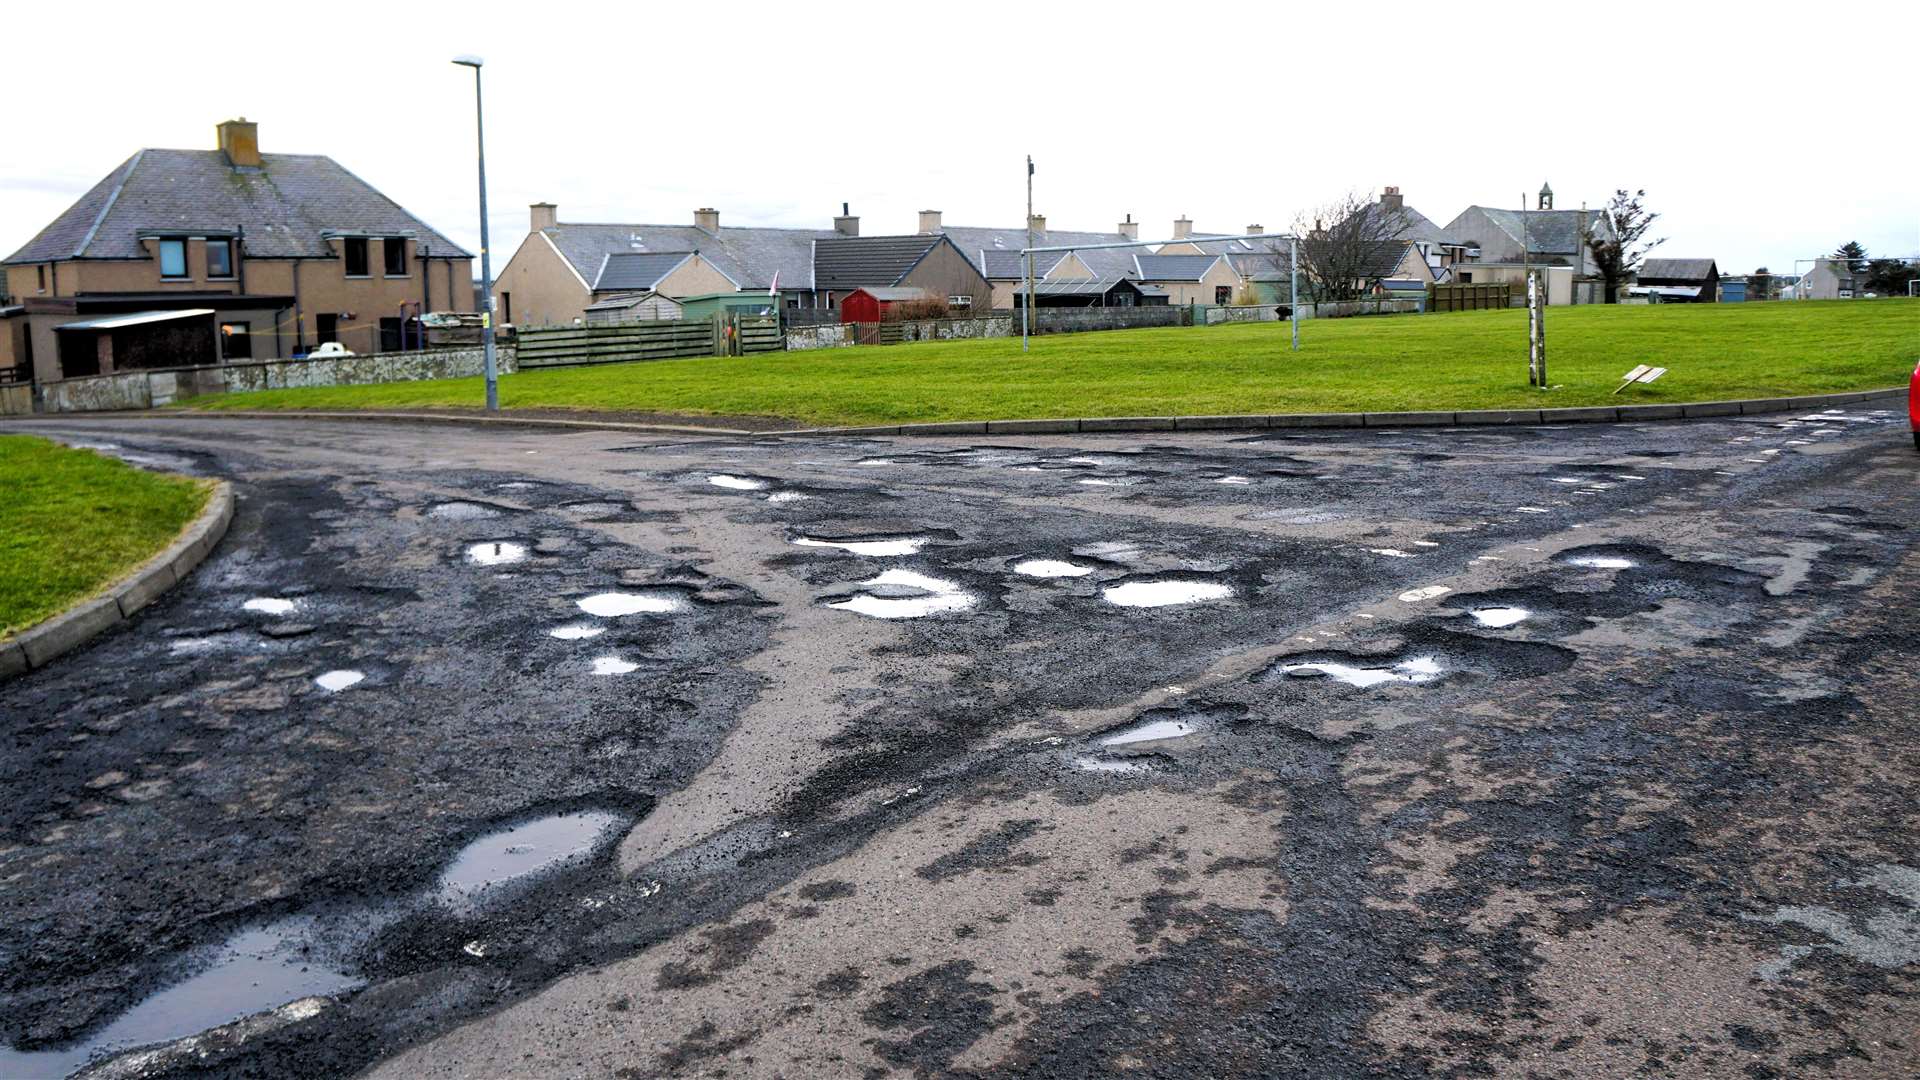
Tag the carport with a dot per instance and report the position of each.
(140, 339)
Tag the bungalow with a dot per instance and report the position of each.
(996, 253)
(930, 263)
(1189, 279)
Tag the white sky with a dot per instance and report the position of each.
(1762, 133)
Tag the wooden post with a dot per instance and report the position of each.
(1536, 329)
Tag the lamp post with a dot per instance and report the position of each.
(486, 259)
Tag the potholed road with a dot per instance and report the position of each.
(1532, 752)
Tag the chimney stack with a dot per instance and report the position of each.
(1037, 222)
(1390, 199)
(543, 215)
(1256, 230)
(240, 141)
(1130, 228)
(1182, 227)
(929, 222)
(707, 218)
(846, 224)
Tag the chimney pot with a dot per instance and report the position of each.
(707, 218)
(1130, 228)
(544, 215)
(1391, 199)
(847, 224)
(929, 221)
(1182, 227)
(240, 141)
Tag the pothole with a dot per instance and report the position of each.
(905, 594)
(613, 605)
(270, 605)
(1151, 731)
(1420, 669)
(462, 511)
(335, 681)
(1148, 594)
(1050, 568)
(499, 861)
(576, 633)
(788, 497)
(908, 545)
(1498, 617)
(737, 483)
(496, 553)
(1601, 562)
(613, 665)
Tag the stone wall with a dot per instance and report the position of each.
(152, 389)
(823, 336)
(1074, 320)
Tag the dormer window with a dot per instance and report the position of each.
(220, 258)
(353, 250)
(173, 258)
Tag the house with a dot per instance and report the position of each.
(551, 278)
(1189, 278)
(996, 253)
(286, 250)
(1437, 247)
(1829, 279)
(1679, 281)
(1540, 237)
(931, 263)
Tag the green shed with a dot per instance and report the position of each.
(707, 305)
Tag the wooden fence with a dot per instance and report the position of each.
(1459, 297)
(726, 334)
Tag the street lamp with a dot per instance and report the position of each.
(486, 259)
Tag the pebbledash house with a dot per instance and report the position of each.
(187, 257)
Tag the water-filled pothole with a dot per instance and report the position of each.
(612, 605)
(497, 861)
(335, 681)
(906, 545)
(905, 594)
(270, 605)
(1420, 669)
(1151, 731)
(736, 483)
(1498, 617)
(576, 633)
(1050, 568)
(1601, 562)
(613, 665)
(496, 553)
(462, 511)
(1165, 593)
(257, 969)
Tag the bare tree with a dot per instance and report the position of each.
(1618, 248)
(1349, 246)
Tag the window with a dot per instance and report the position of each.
(506, 307)
(829, 301)
(354, 250)
(236, 341)
(1466, 277)
(793, 301)
(326, 328)
(173, 258)
(219, 258)
(394, 250)
(41, 273)
(1222, 294)
(962, 300)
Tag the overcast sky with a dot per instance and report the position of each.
(1761, 134)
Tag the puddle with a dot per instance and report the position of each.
(904, 594)
(910, 545)
(576, 633)
(515, 485)
(1601, 562)
(1151, 731)
(1050, 568)
(335, 681)
(461, 511)
(270, 605)
(1392, 553)
(1235, 480)
(1497, 617)
(1094, 481)
(1089, 763)
(787, 497)
(593, 509)
(1533, 509)
(255, 970)
(613, 665)
(736, 483)
(1420, 669)
(1165, 593)
(612, 605)
(500, 858)
(1414, 596)
(495, 553)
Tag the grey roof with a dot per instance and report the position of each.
(1218, 244)
(851, 262)
(1087, 288)
(1554, 231)
(1174, 267)
(891, 293)
(1415, 225)
(1263, 266)
(1682, 269)
(286, 208)
(630, 270)
(751, 256)
(627, 300)
(996, 252)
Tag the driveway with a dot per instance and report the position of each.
(1498, 751)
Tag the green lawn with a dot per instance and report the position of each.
(73, 522)
(1464, 360)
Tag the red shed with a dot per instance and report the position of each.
(872, 305)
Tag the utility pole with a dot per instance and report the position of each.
(486, 259)
(1026, 311)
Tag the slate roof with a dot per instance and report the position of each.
(851, 262)
(637, 271)
(1087, 288)
(1416, 226)
(996, 252)
(285, 208)
(750, 255)
(1173, 267)
(1217, 244)
(1548, 231)
(1678, 269)
(892, 293)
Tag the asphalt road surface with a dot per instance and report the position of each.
(1534, 752)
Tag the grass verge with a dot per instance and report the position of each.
(73, 522)
(1465, 360)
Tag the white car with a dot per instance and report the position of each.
(329, 350)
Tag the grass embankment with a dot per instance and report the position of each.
(73, 522)
(1465, 360)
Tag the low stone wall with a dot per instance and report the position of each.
(1359, 307)
(948, 329)
(1250, 313)
(1076, 320)
(823, 336)
(152, 389)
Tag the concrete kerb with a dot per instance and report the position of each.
(38, 645)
